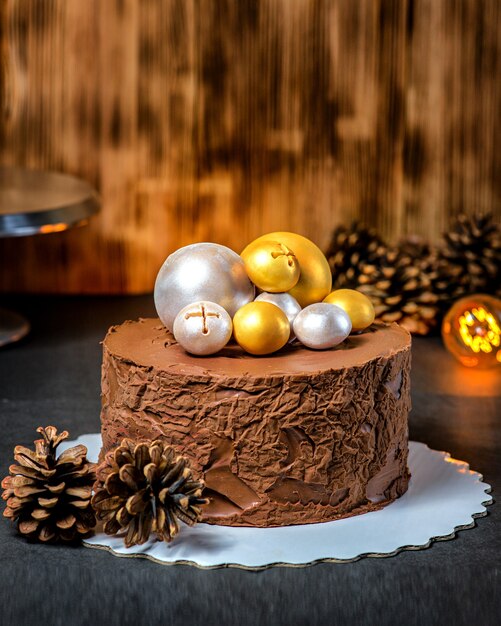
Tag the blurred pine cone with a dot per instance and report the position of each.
(49, 496)
(473, 251)
(415, 283)
(400, 290)
(144, 487)
(349, 248)
(444, 277)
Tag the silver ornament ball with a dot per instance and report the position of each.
(203, 328)
(289, 305)
(322, 325)
(201, 271)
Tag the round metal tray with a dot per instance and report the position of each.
(36, 202)
(33, 202)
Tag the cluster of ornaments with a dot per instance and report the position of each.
(205, 293)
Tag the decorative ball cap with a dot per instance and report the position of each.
(315, 280)
(201, 271)
(271, 265)
(203, 328)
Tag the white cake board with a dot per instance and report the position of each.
(444, 496)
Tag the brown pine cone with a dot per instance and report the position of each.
(416, 247)
(349, 248)
(400, 292)
(473, 251)
(144, 487)
(444, 278)
(49, 497)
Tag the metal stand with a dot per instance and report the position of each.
(13, 327)
(37, 202)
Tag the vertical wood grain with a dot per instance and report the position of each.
(453, 119)
(220, 120)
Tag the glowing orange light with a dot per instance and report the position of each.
(53, 228)
(471, 331)
(479, 330)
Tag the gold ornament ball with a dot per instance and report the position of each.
(271, 266)
(471, 331)
(315, 280)
(356, 304)
(261, 328)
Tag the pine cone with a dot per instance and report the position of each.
(443, 277)
(144, 487)
(49, 497)
(473, 250)
(415, 247)
(400, 292)
(445, 280)
(349, 248)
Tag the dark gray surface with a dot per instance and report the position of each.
(52, 377)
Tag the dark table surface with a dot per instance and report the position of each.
(53, 376)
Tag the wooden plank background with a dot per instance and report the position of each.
(223, 119)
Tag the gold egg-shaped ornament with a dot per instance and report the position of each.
(471, 331)
(358, 306)
(315, 280)
(261, 328)
(272, 266)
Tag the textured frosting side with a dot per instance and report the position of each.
(298, 437)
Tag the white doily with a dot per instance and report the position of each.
(444, 496)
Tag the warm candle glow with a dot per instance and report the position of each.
(471, 331)
(53, 228)
(479, 330)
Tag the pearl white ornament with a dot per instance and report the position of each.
(203, 328)
(322, 325)
(201, 271)
(286, 302)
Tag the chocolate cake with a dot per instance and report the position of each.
(296, 437)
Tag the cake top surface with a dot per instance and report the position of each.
(146, 342)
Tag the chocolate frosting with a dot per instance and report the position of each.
(296, 437)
